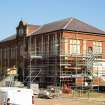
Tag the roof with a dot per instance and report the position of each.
(12, 37)
(71, 24)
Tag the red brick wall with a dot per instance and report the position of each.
(82, 36)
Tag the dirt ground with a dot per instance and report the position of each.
(69, 101)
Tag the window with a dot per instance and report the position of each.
(21, 31)
(13, 52)
(97, 47)
(75, 47)
(84, 47)
(5, 53)
(66, 46)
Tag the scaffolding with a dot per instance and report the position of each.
(78, 71)
(42, 63)
(30, 71)
(51, 60)
(8, 62)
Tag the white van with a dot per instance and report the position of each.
(16, 96)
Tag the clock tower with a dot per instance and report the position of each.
(21, 29)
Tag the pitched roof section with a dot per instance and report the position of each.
(57, 25)
(78, 25)
(71, 24)
(30, 27)
(12, 37)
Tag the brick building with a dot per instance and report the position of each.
(57, 53)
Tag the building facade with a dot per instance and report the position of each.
(57, 53)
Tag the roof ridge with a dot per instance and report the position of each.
(71, 19)
(90, 25)
(72, 24)
(56, 21)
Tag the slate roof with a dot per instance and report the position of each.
(12, 37)
(71, 24)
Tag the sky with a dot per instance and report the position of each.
(45, 11)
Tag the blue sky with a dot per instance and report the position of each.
(44, 11)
